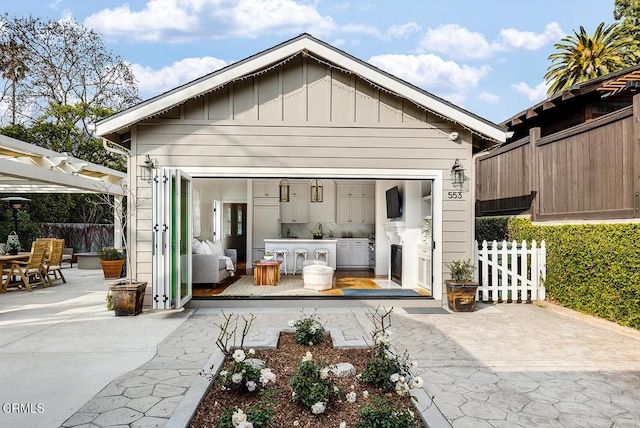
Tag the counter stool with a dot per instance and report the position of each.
(284, 253)
(322, 252)
(296, 253)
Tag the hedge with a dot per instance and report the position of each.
(592, 268)
(492, 229)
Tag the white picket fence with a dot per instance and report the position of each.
(510, 271)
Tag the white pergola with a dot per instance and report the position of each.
(26, 168)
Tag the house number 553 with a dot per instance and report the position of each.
(454, 195)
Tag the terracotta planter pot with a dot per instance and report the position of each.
(112, 269)
(127, 297)
(461, 296)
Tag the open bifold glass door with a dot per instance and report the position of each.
(172, 231)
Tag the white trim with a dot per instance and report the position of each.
(301, 44)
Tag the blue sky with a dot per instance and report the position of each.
(488, 56)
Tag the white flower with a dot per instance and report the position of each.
(244, 425)
(291, 323)
(324, 373)
(318, 408)
(239, 355)
(417, 382)
(252, 351)
(343, 425)
(351, 397)
(310, 343)
(236, 378)
(365, 394)
(266, 376)
(394, 377)
(307, 357)
(238, 417)
(312, 330)
(224, 373)
(410, 412)
(251, 386)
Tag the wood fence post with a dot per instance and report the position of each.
(534, 174)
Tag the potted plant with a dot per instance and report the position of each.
(111, 261)
(127, 293)
(461, 288)
(318, 235)
(13, 248)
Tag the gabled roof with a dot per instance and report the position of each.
(303, 43)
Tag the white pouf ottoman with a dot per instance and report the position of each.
(311, 263)
(318, 277)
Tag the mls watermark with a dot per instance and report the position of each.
(22, 408)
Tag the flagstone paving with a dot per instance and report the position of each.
(501, 366)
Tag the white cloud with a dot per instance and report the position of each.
(152, 82)
(459, 42)
(446, 79)
(184, 20)
(403, 30)
(489, 98)
(514, 39)
(537, 94)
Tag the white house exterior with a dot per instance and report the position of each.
(304, 110)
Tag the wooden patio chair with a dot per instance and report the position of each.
(53, 264)
(32, 269)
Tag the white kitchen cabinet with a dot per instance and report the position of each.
(352, 253)
(266, 189)
(355, 202)
(297, 209)
(266, 224)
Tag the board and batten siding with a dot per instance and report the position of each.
(304, 114)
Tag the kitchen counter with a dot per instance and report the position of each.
(310, 244)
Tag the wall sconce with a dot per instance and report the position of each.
(316, 191)
(147, 167)
(284, 190)
(457, 173)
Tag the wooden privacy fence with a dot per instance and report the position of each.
(510, 271)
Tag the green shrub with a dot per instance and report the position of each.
(381, 414)
(309, 330)
(259, 415)
(592, 268)
(492, 229)
(312, 385)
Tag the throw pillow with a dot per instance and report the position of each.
(216, 248)
(198, 247)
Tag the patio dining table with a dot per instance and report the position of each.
(8, 259)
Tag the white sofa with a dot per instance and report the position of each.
(210, 263)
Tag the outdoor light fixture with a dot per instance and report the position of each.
(457, 173)
(15, 203)
(147, 167)
(316, 191)
(284, 190)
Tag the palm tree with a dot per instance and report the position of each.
(13, 67)
(582, 57)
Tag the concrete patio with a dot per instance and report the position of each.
(67, 361)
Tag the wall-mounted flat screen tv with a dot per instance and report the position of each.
(394, 203)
